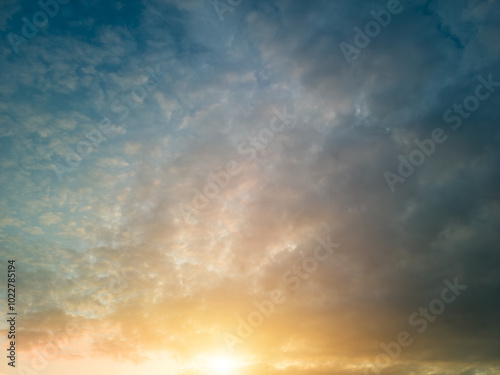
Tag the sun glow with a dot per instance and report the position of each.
(221, 364)
(217, 362)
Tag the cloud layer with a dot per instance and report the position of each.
(107, 248)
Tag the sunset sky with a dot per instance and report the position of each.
(251, 187)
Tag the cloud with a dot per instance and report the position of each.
(111, 250)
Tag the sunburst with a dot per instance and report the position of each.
(220, 364)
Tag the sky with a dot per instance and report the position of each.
(250, 187)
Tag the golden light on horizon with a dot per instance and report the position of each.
(219, 363)
(222, 364)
